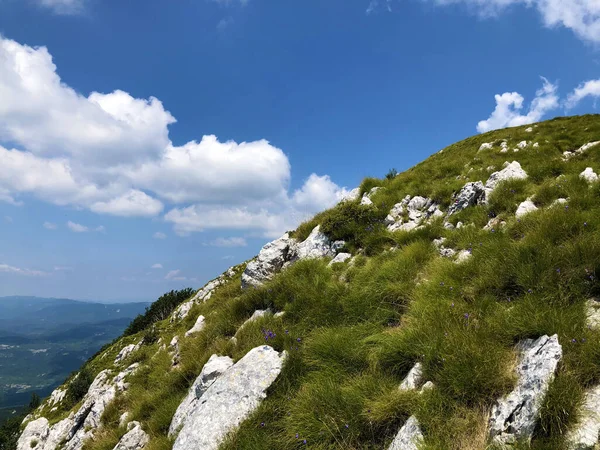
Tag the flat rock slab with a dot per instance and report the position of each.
(230, 399)
(515, 415)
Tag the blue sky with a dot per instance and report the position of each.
(148, 145)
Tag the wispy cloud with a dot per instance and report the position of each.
(156, 266)
(589, 88)
(50, 226)
(174, 275)
(228, 242)
(63, 269)
(225, 23)
(21, 271)
(77, 228)
(159, 235)
(63, 7)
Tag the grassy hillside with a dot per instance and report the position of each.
(353, 331)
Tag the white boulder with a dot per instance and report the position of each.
(413, 379)
(126, 351)
(230, 399)
(409, 437)
(525, 208)
(198, 326)
(510, 171)
(584, 436)
(213, 369)
(470, 195)
(340, 258)
(316, 245)
(134, 439)
(270, 260)
(589, 175)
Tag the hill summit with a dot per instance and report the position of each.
(451, 306)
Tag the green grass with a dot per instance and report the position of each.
(354, 331)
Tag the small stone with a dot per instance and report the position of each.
(413, 379)
(589, 175)
(525, 208)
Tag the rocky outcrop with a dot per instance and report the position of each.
(284, 251)
(230, 400)
(410, 213)
(351, 196)
(514, 416)
(213, 369)
(198, 326)
(57, 396)
(587, 430)
(366, 198)
(589, 175)
(71, 433)
(202, 295)
(409, 437)
(525, 208)
(269, 261)
(134, 439)
(512, 171)
(471, 194)
(340, 258)
(580, 151)
(125, 352)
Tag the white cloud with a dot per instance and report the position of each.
(63, 269)
(159, 235)
(50, 226)
(100, 229)
(111, 154)
(174, 275)
(156, 266)
(63, 6)
(225, 23)
(229, 242)
(77, 228)
(580, 16)
(19, 271)
(590, 88)
(510, 105)
(375, 5)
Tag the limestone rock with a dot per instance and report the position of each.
(134, 439)
(124, 419)
(413, 379)
(525, 208)
(463, 256)
(593, 313)
(580, 151)
(514, 416)
(198, 326)
(366, 198)
(470, 195)
(126, 351)
(351, 196)
(270, 260)
(34, 435)
(585, 434)
(409, 437)
(57, 396)
(511, 171)
(182, 310)
(316, 245)
(410, 213)
(230, 399)
(213, 369)
(529, 130)
(522, 145)
(589, 175)
(340, 258)
(486, 146)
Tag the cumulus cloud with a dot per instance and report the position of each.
(50, 226)
(110, 153)
(229, 242)
(509, 107)
(159, 235)
(156, 266)
(589, 88)
(20, 271)
(582, 17)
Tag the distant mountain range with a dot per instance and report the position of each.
(42, 340)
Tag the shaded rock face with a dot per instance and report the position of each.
(284, 251)
(70, 433)
(230, 399)
(511, 171)
(410, 213)
(585, 435)
(470, 195)
(409, 437)
(515, 415)
(134, 439)
(213, 369)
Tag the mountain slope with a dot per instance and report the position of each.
(464, 318)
